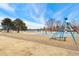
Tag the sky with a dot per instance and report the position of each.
(36, 15)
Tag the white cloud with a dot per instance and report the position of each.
(39, 19)
(33, 25)
(39, 10)
(72, 17)
(6, 7)
(59, 14)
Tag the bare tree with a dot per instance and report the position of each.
(52, 24)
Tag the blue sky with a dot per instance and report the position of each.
(35, 15)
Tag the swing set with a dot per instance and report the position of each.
(66, 28)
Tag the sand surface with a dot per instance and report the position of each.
(30, 44)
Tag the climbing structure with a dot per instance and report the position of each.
(66, 28)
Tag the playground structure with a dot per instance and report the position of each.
(61, 34)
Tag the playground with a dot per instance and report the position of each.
(35, 44)
(64, 32)
(64, 41)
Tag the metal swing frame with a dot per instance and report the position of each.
(63, 32)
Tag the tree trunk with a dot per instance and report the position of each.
(18, 30)
(8, 30)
